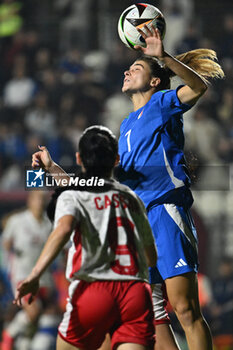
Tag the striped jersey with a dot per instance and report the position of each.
(110, 234)
(151, 146)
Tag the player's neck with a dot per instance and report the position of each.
(139, 99)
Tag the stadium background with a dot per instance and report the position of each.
(61, 70)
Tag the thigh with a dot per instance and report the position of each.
(90, 313)
(106, 344)
(183, 292)
(136, 315)
(176, 240)
(63, 345)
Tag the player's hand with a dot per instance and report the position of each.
(42, 158)
(154, 44)
(28, 286)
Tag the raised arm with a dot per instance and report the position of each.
(43, 159)
(195, 85)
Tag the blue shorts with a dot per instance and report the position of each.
(176, 239)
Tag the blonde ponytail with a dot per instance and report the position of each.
(204, 62)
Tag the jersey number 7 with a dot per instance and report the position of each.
(128, 139)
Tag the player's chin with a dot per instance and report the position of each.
(125, 89)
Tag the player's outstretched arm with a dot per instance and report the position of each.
(56, 241)
(43, 159)
(195, 85)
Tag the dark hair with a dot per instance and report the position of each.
(98, 148)
(158, 71)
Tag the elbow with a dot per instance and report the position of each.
(202, 88)
(198, 92)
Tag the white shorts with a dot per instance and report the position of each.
(159, 298)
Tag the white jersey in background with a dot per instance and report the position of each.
(28, 237)
(107, 240)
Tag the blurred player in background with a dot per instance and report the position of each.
(112, 244)
(23, 238)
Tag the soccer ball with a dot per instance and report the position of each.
(135, 17)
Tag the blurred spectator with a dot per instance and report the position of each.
(204, 137)
(75, 129)
(113, 115)
(19, 91)
(66, 110)
(178, 14)
(15, 153)
(190, 40)
(11, 178)
(210, 102)
(225, 46)
(90, 102)
(12, 143)
(15, 48)
(43, 59)
(225, 109)
(10, 20)
(71, 62)
(222, 308)
(49, 81)
(32, 143)
(39, 120)
(62, 149)
(96, 62)
(74, 23)
(31, 46)
(10, 54)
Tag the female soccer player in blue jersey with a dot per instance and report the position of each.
(152, 163)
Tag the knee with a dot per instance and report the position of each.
(187, 312)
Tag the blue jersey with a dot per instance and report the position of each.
(151, 146)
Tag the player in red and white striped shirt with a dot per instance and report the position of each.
(111, 245)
